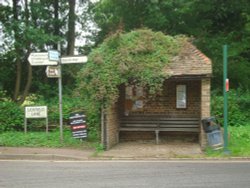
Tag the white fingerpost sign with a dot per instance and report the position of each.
(74, 59)
(40, 59)
(35, 112)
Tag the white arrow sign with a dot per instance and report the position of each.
(41, 58)
(74, 59)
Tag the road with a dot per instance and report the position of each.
(127, 174)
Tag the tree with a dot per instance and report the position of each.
(211, 23)
(22, 25)
(71, 28)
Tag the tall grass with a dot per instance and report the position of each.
(238, 143)
(41, 139)
(239, 140)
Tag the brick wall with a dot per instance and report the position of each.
(111, 124)
(205, 108)
(166, 102)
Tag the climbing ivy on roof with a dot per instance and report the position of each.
(137, 57)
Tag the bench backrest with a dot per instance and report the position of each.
(161, 122)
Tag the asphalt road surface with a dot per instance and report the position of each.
(130, 174)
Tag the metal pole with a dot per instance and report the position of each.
(60, 94)
(25, 125)
(225, 98)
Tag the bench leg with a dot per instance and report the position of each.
(157, 136)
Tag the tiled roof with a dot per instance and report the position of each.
(190, 61)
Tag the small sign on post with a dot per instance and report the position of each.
(52, 72)
(227, 85)
(35, 112)
(77, 122)
(53, 55)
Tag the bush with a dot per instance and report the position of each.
(237, 113)
(11, 116)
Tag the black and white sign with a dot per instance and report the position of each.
(77, 121)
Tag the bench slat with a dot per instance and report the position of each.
(136, 129)
(157, 118)
(138, 125)
(170, 129)
(180, 129)
(160, 122)
(178, 125)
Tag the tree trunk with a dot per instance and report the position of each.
(17, 51)
(71, 27)
(56, 18)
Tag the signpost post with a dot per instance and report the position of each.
(52, 57)
(225, 90)
(35, 112)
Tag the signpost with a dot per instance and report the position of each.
(52, 57)
(52, 72)
(35, 112)
(40, 59)
(74, 59)
(225, 91)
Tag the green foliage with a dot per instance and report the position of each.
(239, 140)
(212, 23)
(238, 108)
(134, 58)
(41, 139)
(11, 116)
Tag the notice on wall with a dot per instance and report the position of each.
(181, 96)
(36, 112)
(77, 122)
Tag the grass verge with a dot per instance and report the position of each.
(238, 143)
(41, 139)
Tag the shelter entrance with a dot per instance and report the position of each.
(173, 112)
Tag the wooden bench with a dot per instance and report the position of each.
(159, 124)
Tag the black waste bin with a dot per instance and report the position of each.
(210, 124)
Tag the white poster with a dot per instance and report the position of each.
(181, 96)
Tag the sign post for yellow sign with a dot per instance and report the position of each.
(35, 112)
(53, 57)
